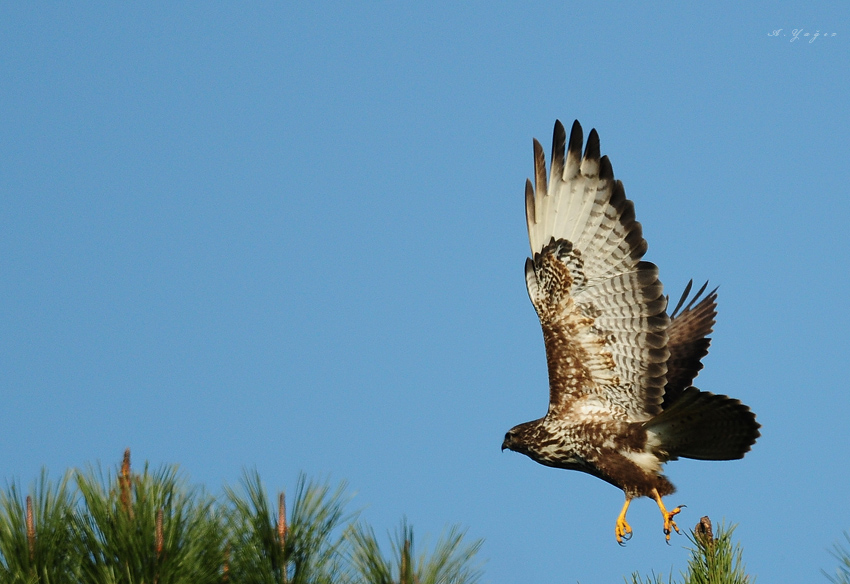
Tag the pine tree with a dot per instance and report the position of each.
(714, 559)
(151, 527)
(147, 527)
(36, 534)
(265, 549)
(451, 562)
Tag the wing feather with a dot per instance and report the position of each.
(571, 201)
(601, 308)
(688, 340)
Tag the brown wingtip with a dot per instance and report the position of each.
(539, 168)
(530, 216)
(591, 151)
(559, 142)
(606, 171)
(682, 299)
(576, 139)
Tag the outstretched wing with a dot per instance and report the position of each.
(602, 309)
(688, 340)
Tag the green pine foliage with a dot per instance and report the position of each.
(125, 527)
(451, 562)
(842, 554)
(714, 560)
(264, 549)
(148, 527)
(48, 555)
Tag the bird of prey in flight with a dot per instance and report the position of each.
(621, 403)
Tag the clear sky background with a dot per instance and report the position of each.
(292, 238)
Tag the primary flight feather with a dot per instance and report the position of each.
(620, 368)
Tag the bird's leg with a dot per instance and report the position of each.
(668, 515)
(623, 529)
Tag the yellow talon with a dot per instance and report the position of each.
(623, 530)
(669, 524)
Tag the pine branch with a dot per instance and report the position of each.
(714, 560)
(452, 560)
(269, 551)
(842, 554)
(36, 542)
(147, 527)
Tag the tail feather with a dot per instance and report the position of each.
(705, 426)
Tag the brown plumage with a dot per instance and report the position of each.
(620, 368)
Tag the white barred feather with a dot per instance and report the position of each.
(601, 307)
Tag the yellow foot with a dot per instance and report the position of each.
(669, 524)
(623, 530)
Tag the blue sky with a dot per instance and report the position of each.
(292, 238)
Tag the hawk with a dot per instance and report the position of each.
(621, 402)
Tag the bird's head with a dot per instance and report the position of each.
(523, 437)
(510, 440)
(517, 438)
